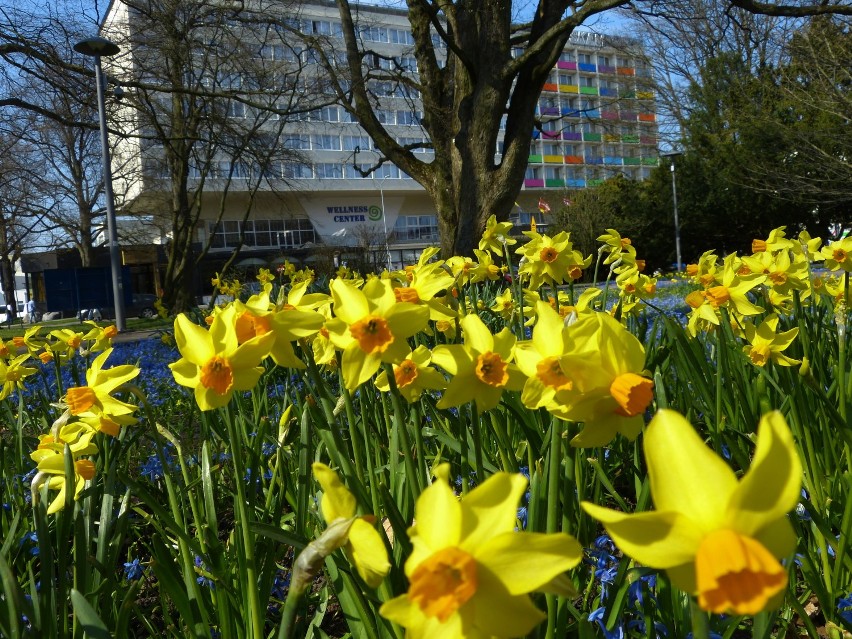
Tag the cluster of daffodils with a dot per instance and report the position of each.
(86, 410)
(764, 285)
(580, 365)
(470, 572)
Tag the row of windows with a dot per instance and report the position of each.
(415, 228)
(593, 150)
(226, 169)
(367, 32)
(583, 173)
(338, 114)
(288, 233)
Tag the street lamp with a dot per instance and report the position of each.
(97, 48)
(355, 166)
(672, 157)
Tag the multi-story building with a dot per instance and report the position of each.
(596, 119)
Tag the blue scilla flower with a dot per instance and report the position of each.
(605, 543)
(32, 538)
(268, 449)
(133, 570)
(597, 616)
(280, 585)
(152, 468)
(844, 608)
(203, 579)
(636, 590)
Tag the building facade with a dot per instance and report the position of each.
(597, 119)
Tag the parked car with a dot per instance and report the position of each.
(142, 305)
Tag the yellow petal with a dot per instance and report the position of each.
(686, 476)
(193, 341)
(656, 539)
(494, 612)
(476, 334)
(337, 501)
(526, 561)
(772, 486)
(368, 553)
(491, 509)
(439, 518)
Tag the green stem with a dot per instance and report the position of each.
(402, 428)
(700, 625)
(288, 614)
(256, 613)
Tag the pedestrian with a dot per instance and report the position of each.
(31, 311)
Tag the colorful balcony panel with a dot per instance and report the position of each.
(611, 159)
(585, 66)
(602, 68)
(647, 139)
(548, 86)
(551, 135)
(609, 115)
(645, 95)
(609, 93)
(650, 161)
(569, 88)
(549, 110)
(534, 159)
(626, 71)
(592, 137)
(553, 159)
(594, 182)
(592, 113)
(611, 137)
(628, 94)
(571, 135)
(632, 161)
(571, 66)
(630, 139)
(593, 160)
(554, 183)
(573, 159)
(647, 117)
(630, 116)
(533, 183)
(589, 90)
(575, 183)
(571, 113)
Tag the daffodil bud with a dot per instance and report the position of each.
(311, 559)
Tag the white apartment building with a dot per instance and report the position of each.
(597, 119)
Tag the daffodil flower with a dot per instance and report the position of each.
(496, 235)
(838, 255)
(548, 259)
(50, 463)
(363, 546)
(765, 343)
(213, 363)
(371, 327)
(717, 537)
(470, 572)
(413, 375)
(13, 373)
(481, 367)
(95, 397)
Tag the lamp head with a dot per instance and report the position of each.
(97, 47)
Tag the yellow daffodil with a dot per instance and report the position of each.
(99, 338)
(547, 260)
(213, 363)
(504, 305)
(371, 327)
(777, 241)
(469, 572)
(50, 463)
(481, 368)
(13, 373)
(426, 282)
(540, 359)
(838, 255)
(413, 375)
(766, 343)
(94, 398)
(364, 547)
(68, 341)
(808, 247)
(485, 269)
(496, 236)
(717, 537)
(608, 392)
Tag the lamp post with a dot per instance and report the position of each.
(356, 151)
(97, 48)
(672, 157)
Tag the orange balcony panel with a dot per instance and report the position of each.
(550, 87)
(647, 117)
(626, 71)
(573, 159)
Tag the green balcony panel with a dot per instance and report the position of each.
(595, 182)
(630, 139)
(651, 161)
(632, 161)
(588, 90)
(591, 137)
(554, 184)
(535, 159)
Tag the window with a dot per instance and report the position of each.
(329, 171)
(297, 171)
(361, 142)
(374, 34)
(587, 81)
(236, 109)
(566, 78)
(298, 142)
(385, 117)
(400, 36)
(622, 61)
(604, 60)
(416, 228)
(553, 173)
(387, 171)
(585, 58)
(552, 148)
(330, 114)
(566, 56)
(533, 173)
(325, 142)
(408, 63)
(293, 233)
(352, 173)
